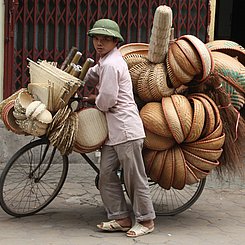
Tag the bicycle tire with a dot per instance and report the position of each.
(27, 187)
(171, 202)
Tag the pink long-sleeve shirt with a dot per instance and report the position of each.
(115, 98)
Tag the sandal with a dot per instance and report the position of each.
(139, 230)
(112, 226)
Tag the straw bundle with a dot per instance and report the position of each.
(160, 34)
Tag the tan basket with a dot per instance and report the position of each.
(157, 166)
(199, 162)
(184, 111)
(8, 118)
(179, 169)
(172, 119)
(148, 156)
(210, 119)
(143, 88)
(134, 48)
(134, 59)
(90, 120)
(198, 121)
(157, 142)
(191, 177)
(211, 144)
(216, 133)
(200, 174)
(228, 47)
(167, 176)
(211, 155)
(154, 119)
(11, 97)
(204, 54)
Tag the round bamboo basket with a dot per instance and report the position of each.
(134, 48)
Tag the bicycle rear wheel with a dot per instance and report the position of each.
(32, 178)
(173, 201)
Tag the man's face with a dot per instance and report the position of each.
(103, 44)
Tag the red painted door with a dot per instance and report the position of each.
(47, 29)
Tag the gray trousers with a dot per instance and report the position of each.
(129, 156)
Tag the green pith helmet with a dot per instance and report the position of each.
(106, 27)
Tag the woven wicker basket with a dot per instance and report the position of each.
(134, 48)
(228, 47)
(8, 119)
(199, 162)
(90, 120)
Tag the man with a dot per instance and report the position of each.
(125, 136)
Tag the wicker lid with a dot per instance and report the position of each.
(179, 169)
(148, 156)
(200, 174)
(184, 111)
(134, 48)
(198, 120)
(191, 177)
(157, 166)
(211, 155)
(167, 175)
(154, 119)
(199, 162)
(157, 142)
(210, 144)
(172, 119)
(204, 54)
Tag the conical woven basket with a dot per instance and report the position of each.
(90, 120)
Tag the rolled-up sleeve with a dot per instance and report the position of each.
(109, 87)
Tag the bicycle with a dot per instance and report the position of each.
(35, 174)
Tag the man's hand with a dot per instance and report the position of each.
(90, 99)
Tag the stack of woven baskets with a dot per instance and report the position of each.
(43, 109)
(184, 129)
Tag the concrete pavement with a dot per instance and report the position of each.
(218, 216)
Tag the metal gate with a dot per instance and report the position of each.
(47, 29)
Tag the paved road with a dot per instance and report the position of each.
(218, 217)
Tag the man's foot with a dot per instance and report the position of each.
(142, 228)
(116, 225)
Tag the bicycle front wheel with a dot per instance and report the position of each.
(32, 178)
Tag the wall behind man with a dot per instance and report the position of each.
(1, 46)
